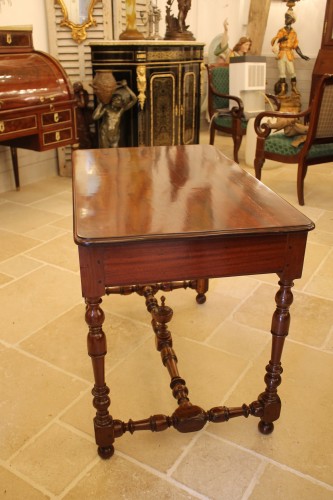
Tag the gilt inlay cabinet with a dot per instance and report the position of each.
(166, 77)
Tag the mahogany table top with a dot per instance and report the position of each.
(150, 193)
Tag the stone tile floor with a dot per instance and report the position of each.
(46, 434)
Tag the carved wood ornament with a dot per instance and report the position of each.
(80, 23)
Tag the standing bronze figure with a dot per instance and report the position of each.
(176, 28)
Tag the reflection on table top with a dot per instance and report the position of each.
(172, 191)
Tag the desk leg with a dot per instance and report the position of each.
(13, 152)
(280, 328)
(96, 341)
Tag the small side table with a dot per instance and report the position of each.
(158, 218)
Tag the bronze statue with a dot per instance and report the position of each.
(110, 113)
(183, 7)
(176, 28)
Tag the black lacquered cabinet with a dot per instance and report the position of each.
(166, 77)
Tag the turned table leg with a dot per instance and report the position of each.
(202, 287)
(96, 340)
(280, 327)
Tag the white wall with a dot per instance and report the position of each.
(206, 21)
(27, 12)
(309, 24)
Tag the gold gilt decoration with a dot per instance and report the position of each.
(141, 82)
(202, 78)
(77, 22)
(172, 55)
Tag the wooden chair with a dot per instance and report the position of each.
(318, 145)
(230, 121)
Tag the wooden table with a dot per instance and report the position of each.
(158, 218)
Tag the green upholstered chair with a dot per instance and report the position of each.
(226, 112)
(230, 121)
(318, 145)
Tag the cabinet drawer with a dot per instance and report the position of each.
(57, 136)
(18, 126)
(20, 39)
(56, 117)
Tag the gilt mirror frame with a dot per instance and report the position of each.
(78, 28)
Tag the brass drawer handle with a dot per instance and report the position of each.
(2, 126)
(56, 117)
(57, 136)
(9, 38)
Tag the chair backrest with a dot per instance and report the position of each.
(321, 120)
(218, 80)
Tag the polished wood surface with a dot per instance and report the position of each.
(37, 104)
(145, 217)
(180, 191)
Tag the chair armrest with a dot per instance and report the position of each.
(275, 100)
(263, 129)
(227, 96)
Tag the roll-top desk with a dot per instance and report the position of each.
(37, 104)
(165, 75)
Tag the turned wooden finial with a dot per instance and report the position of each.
(162, 314)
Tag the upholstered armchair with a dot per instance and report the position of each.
(313, 147)
(230, 121)
(226, 112)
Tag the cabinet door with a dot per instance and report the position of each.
(164, 108)
(190, 95)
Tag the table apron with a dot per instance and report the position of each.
(139, 262)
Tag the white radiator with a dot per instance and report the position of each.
(247, 80)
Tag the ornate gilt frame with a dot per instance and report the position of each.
(78, 30)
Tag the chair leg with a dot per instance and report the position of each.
(211, 134)
(301, 173)
(237, 144)
(258, 164)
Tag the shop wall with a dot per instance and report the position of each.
(206, 22)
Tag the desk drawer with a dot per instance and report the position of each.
(55, 117)
(17, 126)
(57, 137)
(17, 39)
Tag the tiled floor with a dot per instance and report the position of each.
(47, 447)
